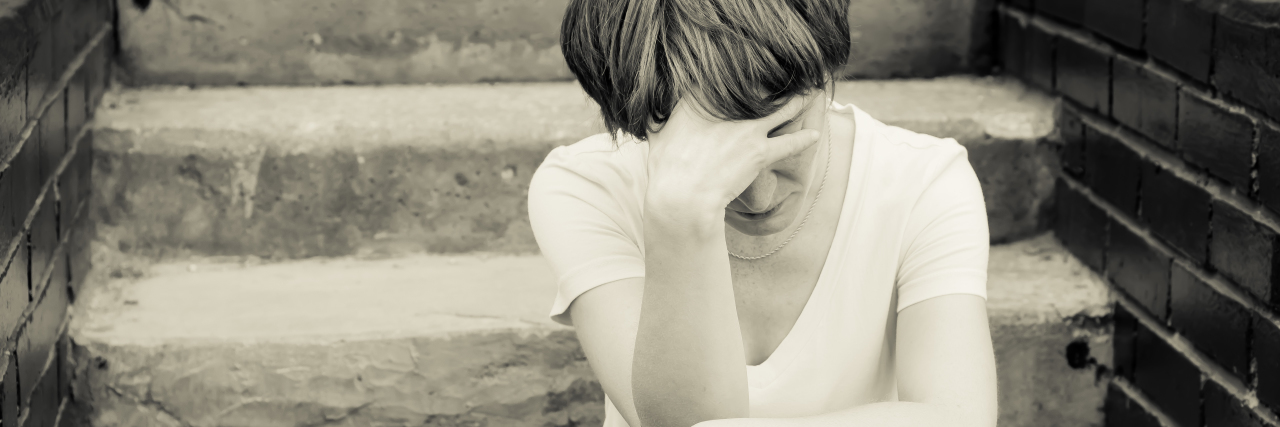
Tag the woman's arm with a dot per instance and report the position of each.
(945, 369)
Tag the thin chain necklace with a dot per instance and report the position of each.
(807, 214)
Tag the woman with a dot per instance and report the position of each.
(739, 249)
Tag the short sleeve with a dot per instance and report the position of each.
(585, 229)
(947, 240)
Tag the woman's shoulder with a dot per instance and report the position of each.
(897, 150)
(594, 163)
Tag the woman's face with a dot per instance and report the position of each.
(777, 196)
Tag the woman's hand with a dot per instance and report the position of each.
(698, 164)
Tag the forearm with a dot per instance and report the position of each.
(688, 363)
(883, 414)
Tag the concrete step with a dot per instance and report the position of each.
(283, 173)
(465, 340)
(302, 42)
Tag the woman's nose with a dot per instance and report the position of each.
(758, 197)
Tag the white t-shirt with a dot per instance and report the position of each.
(913, 226)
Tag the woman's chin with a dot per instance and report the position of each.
(773, 222)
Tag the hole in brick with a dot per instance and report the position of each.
(460, 178)
(142, 4)
(102, 363)
(1078, 354)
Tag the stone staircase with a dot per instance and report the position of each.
(361, 255)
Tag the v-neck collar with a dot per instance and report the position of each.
(787, 351)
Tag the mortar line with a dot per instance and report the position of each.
(1081, 36)
(61, 85)
(1168, 161)
(1136, 395)
(11, 342)
(1216, 281)
(48, 183)
(53, 354)
(1211, 369)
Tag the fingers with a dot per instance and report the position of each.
(783, 146)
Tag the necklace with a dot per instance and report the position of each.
(806, 214)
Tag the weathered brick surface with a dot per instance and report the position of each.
(1126, 330)
(1144, 101)
(1081, 226)
(1180, 34)
(1071, 11)
(1214, 323)
(1071, 130)
(1245, 65)
(1269, 166)
(1083, 74)
(9, 408)
(1216, 139)
(1013, 46)
(1176, 210)
(1118, 20)
(1122, 411)
(1138, 269)
(1245, 252)
(1166, 376)
(1112, 170)
(1040, 58)
(1221, 409)
(1266, 353)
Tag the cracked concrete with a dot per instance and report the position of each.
(284, 173)
(229, 42)
(466, 341)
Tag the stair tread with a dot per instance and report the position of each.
(323, 300)
(518, 113)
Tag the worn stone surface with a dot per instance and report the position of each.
(229, 42)
(285, 173)
(466, 340)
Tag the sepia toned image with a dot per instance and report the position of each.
(626, 213)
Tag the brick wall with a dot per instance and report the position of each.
(1170, 188)
(53, 68)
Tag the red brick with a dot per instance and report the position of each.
(1013, 50)
(1138, 270)
(1245, 66)
(1223, 410)
(1081, 226)
(1266, 353)
(1071, 129)
(1245, 252)
(1269, 166)
(13, 290)
(1118, 20)
(40, 336)
(1180, 34)
(1120, 411)
(1214, 323)
(1216, 139)
(1039, 58)
(1177, 211)
(1112, 170)
(1084, 75)
(1124, 341)
(1071, 11)
(1165, 376)
(9, 408)
(1144, 101)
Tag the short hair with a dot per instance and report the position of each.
(739, 59)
